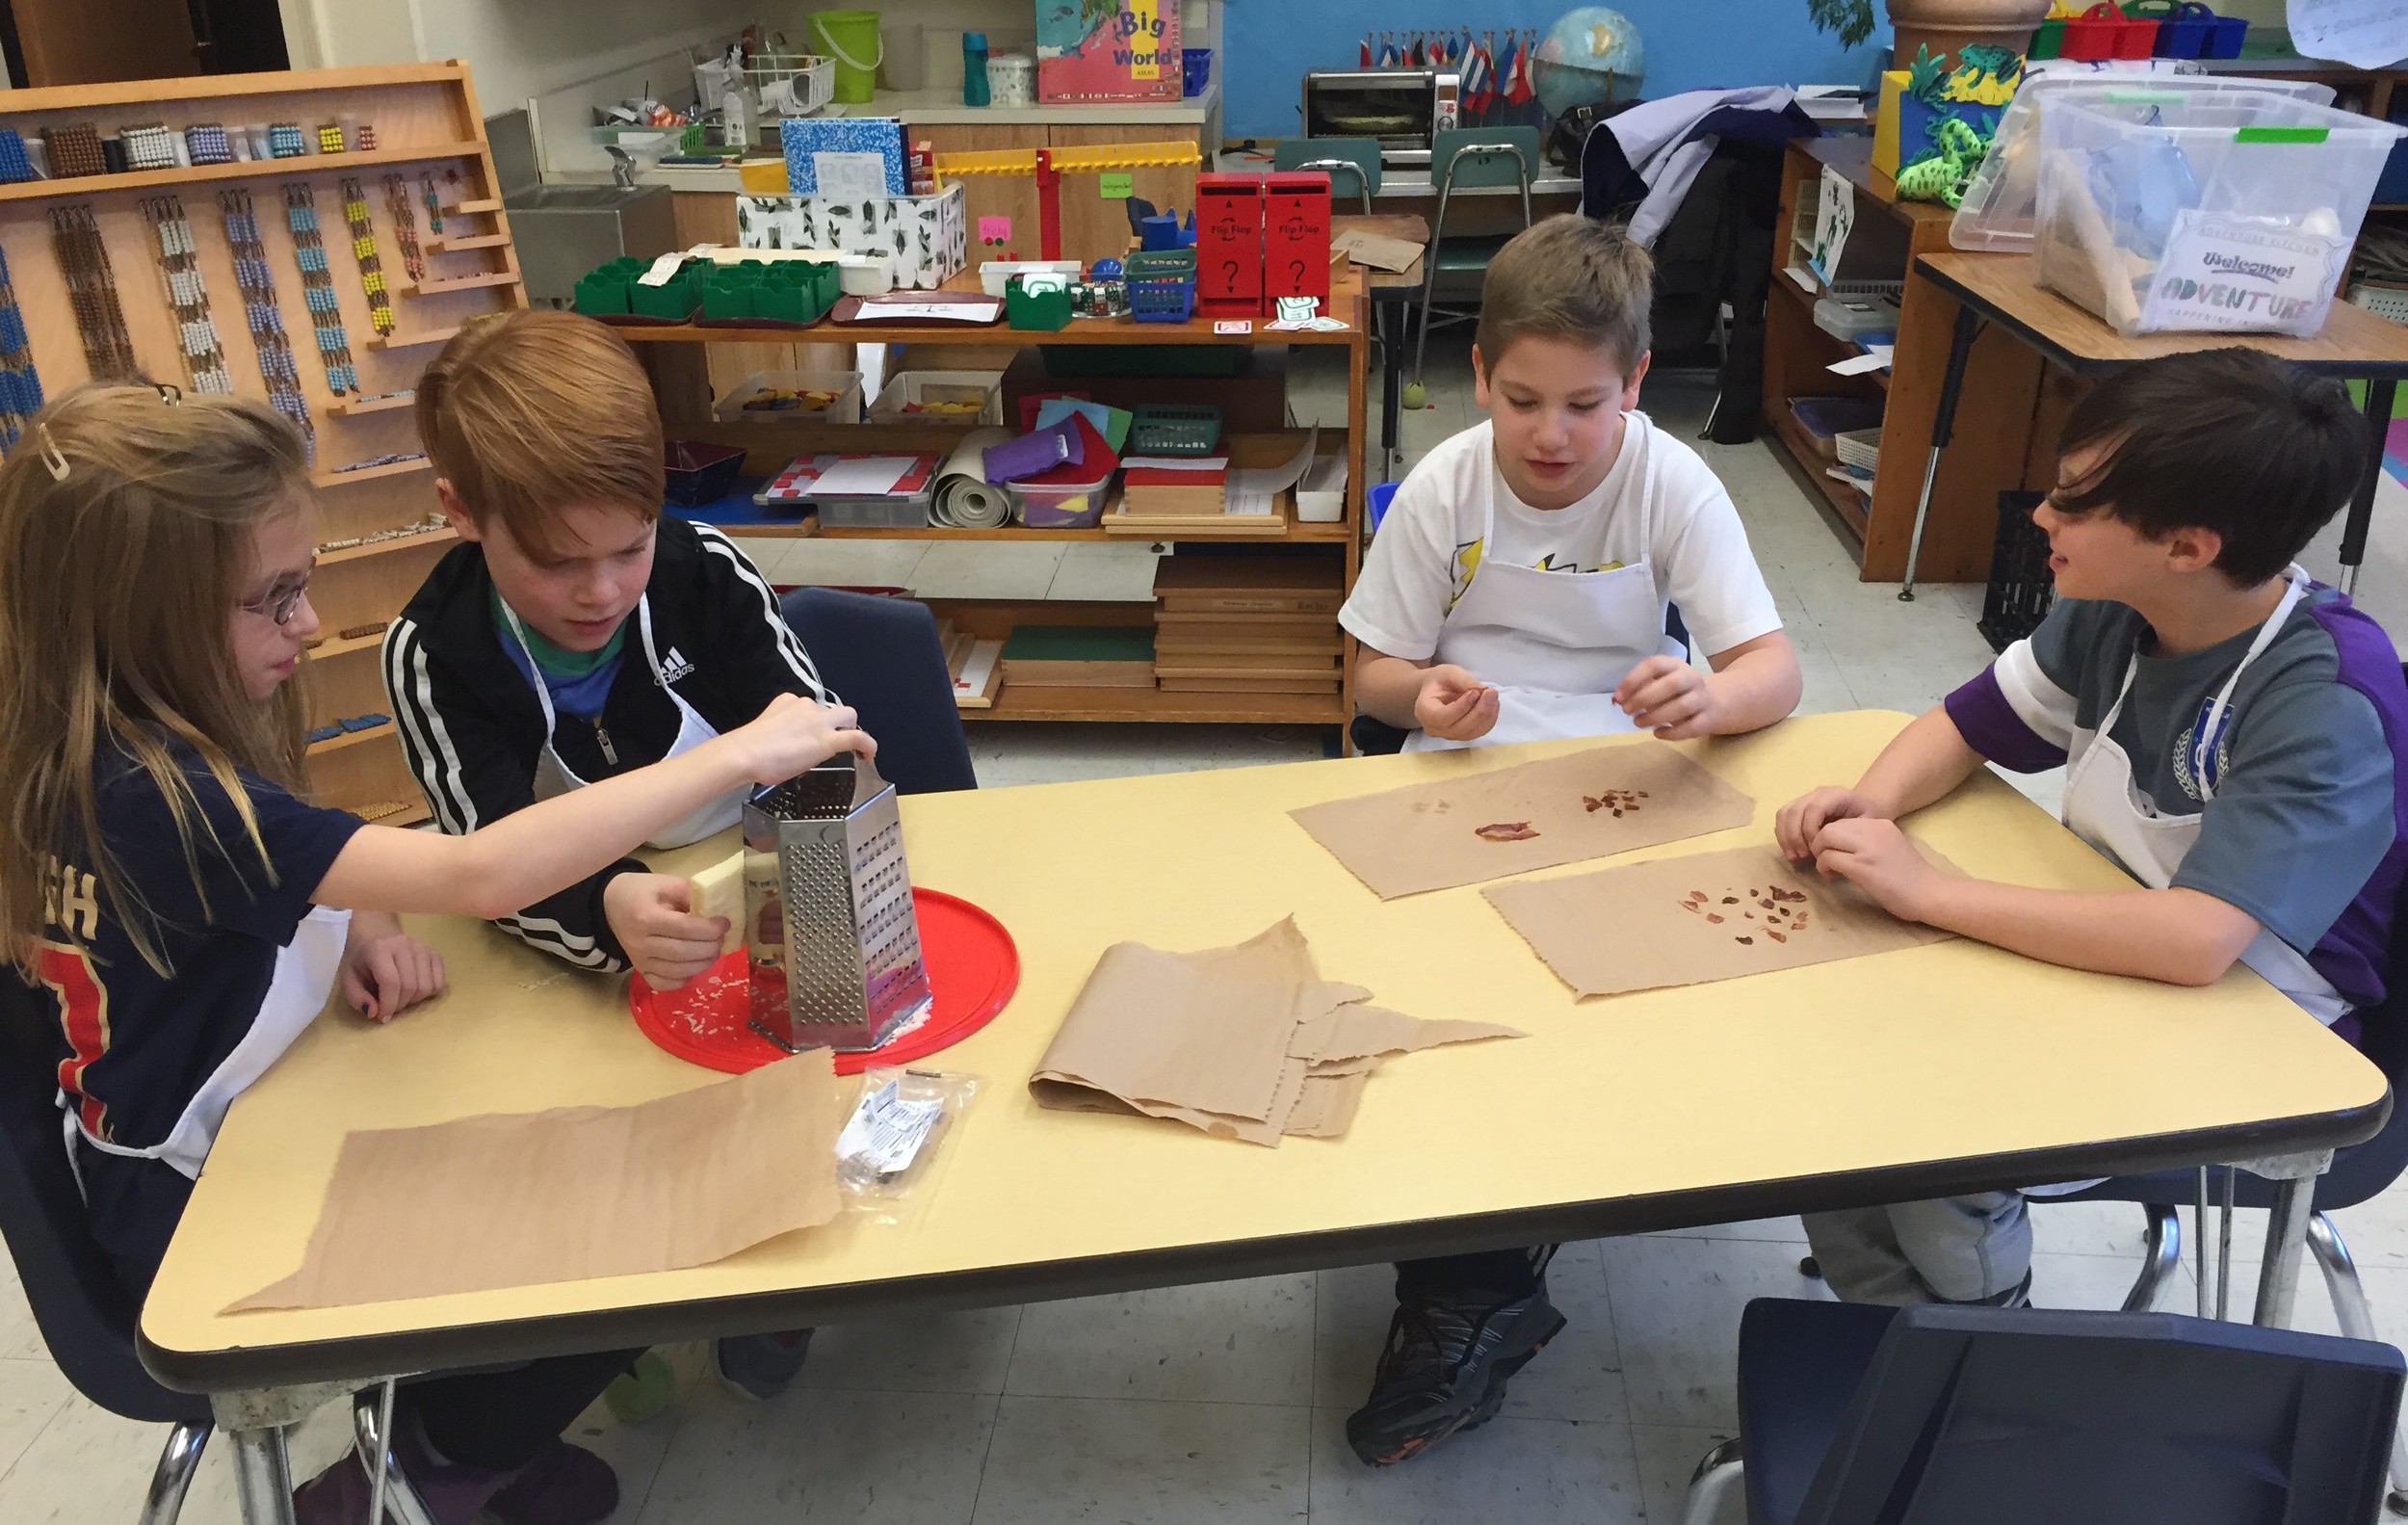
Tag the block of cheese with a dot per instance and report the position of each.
(720, 891)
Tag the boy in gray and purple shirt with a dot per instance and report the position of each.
(2231, 733)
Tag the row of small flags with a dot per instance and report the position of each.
(1486, 82)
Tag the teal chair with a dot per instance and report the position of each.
(1464, 159)
(1359, 157)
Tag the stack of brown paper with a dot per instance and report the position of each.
(1507, 820)
(1688, 920)
(1245, 1042)
(574, 1193)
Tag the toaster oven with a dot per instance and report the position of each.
(1401, 107)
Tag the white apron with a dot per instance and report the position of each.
(297, 992)
(1591, 628)
(2103, 808)
(553, 778)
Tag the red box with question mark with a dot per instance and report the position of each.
(1228, 245)
(1295, 236)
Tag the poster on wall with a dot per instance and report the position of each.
(1108, 50)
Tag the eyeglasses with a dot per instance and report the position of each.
(283, 597)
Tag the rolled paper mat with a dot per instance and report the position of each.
(964, 498)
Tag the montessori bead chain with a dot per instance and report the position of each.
(364, 250)
(265, 321)
(435, 206)
(188, 298)
(20, 389)
(309, 251)
(92, 291)
(396, 206)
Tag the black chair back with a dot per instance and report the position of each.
(83, 1312)
(881, 656)
(1981, 1417)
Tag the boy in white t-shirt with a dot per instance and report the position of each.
(1518, 590)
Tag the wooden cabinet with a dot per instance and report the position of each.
(1008, 196)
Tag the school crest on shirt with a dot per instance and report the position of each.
(2187, 747)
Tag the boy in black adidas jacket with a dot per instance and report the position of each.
(574, 632)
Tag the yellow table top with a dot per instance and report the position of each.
(1938, 1069)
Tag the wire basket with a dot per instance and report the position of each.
(1173, 429)
(2020, 587)
(1162, 300)
(790, 84)
(1860, 448)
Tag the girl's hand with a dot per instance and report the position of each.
(385, 971)
(652, 916)
(1454, 706)
(795, 735)
(1666, 696)
(1876, 858)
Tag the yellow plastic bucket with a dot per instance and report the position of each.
(851, 38)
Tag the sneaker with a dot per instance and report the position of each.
(452, 1495)
(564, 1485)
(758, 1367)
(1445, 1370)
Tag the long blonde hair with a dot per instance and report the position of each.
(126, 519)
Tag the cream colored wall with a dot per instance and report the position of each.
(515, 49)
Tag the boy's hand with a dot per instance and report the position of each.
(1876, 858)
(1669, 696)
(652, 916)
(385, 971)
(795, 735)
(1454, 706)
(1802, 819)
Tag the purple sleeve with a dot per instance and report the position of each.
(1990, 726)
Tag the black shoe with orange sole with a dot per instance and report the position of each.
(1445, 1369)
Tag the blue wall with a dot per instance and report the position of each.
(1691, 45)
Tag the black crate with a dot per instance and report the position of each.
(2021, 589)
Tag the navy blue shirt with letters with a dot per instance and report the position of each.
(134, 1045)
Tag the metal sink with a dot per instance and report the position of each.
(562, 231)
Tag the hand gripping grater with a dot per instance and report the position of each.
(832, 940)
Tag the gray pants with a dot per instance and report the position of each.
(1952, 1249)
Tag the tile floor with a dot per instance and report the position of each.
(1227, 1402)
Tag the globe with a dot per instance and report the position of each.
(1583, 53)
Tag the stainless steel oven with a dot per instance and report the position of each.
(1401, 107)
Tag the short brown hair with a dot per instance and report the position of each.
(1571, 277)
(535, 411)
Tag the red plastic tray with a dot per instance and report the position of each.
(972, 964)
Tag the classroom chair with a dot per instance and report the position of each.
(1856, 1415)
(1334, 157)
(881, 656)
(84, 1313)
(1466, 159)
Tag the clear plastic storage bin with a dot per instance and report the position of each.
(2232, 211)
(2003, 195)
(1068, 507)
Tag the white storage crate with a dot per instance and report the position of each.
(2229, 212)
(1859, 447)
(910, 388)
(845, 408)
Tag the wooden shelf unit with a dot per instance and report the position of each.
(674, 353)
(426, 120)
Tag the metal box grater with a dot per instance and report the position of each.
(833, 942)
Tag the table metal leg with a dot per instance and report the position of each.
(2379, 400)
(1960, 346)
(263, 1479)
(1390, 382)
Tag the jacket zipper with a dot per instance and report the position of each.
(610, 754)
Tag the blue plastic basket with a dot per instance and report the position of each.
(1162, 300)
(1195, 70)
